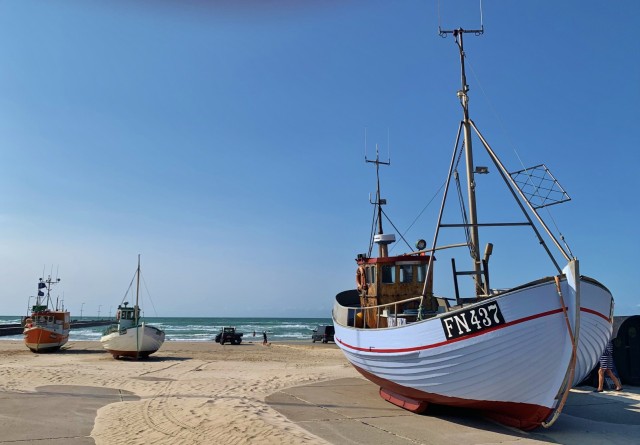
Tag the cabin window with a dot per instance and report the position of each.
(371, 275)
(422, 272)
(388, 274)
(406, 274)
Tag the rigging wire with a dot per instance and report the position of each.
(559, 232)
(129, 288)
(396, 229)
(510, 140)
(146, 288)
(435, 195)
(149, 295)
(463, 213)
(374, 221)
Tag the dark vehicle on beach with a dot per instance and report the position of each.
(323, 333)
(229, 335)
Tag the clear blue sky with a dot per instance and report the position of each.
(224, 141)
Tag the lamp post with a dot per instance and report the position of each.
(110, 307)
(29, 304)
(81, 307)
(99, 306)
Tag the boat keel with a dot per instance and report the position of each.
(413, 405)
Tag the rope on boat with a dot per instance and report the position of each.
(572, 365)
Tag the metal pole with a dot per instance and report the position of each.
(135, 312)
(471, 184)
(137, 309)
(382, 247)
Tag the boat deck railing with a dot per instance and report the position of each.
(356, 316)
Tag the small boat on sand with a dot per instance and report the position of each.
(46, 330)
(131, 336)
(511, 352)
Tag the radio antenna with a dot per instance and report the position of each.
(443, 32)
(365, 143)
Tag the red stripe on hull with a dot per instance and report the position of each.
(455, 340)
(525, 416)
(466, 337)
(591, 311)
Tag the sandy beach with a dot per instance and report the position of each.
(285, 393)
(187, 393)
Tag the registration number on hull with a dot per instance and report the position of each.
(470, 321)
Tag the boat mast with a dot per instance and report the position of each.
(471, 183)
(136, 310)
(379, 202)
(42, 298)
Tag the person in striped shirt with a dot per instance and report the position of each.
(606, 366)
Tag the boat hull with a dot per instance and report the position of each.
(514, 370)
(47, 331)
(596, 326)
(135, 342)
(45, 340)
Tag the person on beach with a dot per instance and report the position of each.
(264, 336)
(606, 366)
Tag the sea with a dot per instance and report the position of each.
(205, 329)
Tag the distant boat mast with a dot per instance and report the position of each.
(136, 310)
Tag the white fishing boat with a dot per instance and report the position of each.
(512, 353)
(131, 336)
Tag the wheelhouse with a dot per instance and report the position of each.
(392, 284)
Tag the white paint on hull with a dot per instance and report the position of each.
(523, 361)
(142, 339)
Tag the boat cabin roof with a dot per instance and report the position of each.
(409, 259)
